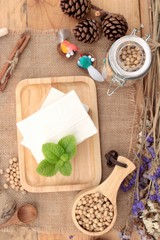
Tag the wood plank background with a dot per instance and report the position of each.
(46, 14)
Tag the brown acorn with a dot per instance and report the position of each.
(76, 8)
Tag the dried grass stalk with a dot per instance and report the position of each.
(152, 81)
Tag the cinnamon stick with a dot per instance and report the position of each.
(9, 66)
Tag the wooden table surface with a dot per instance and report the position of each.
(46, 14)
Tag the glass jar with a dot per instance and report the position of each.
(129, 59)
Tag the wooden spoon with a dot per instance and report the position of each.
(109, 188)
(24, 214)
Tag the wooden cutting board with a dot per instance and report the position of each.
(30, 94)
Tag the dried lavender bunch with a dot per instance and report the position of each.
(146, 204)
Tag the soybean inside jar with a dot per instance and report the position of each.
(130, 56)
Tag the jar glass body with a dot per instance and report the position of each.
(129, 59)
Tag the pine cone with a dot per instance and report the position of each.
(76, 8)
(114, 26)
(88, 30)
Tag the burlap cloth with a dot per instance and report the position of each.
(117, 116)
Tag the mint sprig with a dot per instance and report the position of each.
(52, 152)
(47, 169)
(69, 144)
(66, 169)
(57, 157)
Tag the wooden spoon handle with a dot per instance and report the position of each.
(111, 185)
(12, 221)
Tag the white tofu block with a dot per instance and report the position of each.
(53, 95)
(65, 116)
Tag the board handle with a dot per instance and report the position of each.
(111, 185)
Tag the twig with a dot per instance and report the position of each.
(149, 188)
(99, 12)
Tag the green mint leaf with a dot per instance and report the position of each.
(57, 157)
(68, 143)
(66, 169)
(52, 152)
(59, 164)
(64, 157)
(46, 169)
